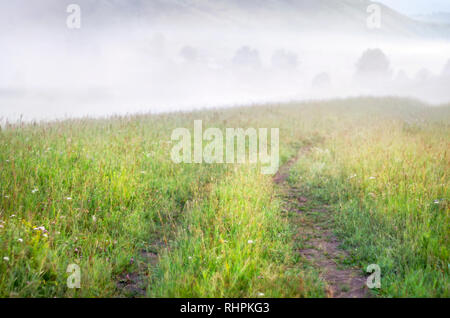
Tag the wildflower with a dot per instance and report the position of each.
(352, 176)
(45, 235)
(436, 201)
(372, 178)
(34, 190)
(260, 294)
(143, 172)
(1, 226)
(94, 219)
(6, 259)
(250, 241)
(68, 198)
(20, 240)
(41, 228)
(6, 196)
(13, 215)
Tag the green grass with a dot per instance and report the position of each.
(106, 190)
(387, 178)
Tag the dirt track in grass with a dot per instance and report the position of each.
(313, 221)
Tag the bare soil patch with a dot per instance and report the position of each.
(318, 245)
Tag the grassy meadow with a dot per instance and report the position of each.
(105, 194)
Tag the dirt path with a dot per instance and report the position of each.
(317, 244)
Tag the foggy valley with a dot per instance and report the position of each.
(157, 56)
(205, 150)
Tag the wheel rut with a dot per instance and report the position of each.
(317, 245)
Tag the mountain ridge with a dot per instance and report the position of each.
(322, 15)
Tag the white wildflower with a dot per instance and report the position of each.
(260, 294)
(34, 190)
(250, 242)
(20, 240)
(6, 259)
(40, 228)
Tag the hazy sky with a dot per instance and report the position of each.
(415, 7)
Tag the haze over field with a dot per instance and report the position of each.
(184, 54)
(329, 179)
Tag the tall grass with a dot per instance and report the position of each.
(388, 179)
(99, 193)
(93, 193)
(234, 244)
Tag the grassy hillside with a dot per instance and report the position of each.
(106, 195)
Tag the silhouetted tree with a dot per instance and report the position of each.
(423, 75)
(322, 81)
(373, 66)
(284, 60)
(247, 57)
(402, 76)
(189, 54)
(446, 70)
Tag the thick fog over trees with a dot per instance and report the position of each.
(154, 56)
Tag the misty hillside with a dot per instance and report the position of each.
(179, 54)
(298, 15)
(301, 15)
(436, 17)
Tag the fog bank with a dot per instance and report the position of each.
(154, 58)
